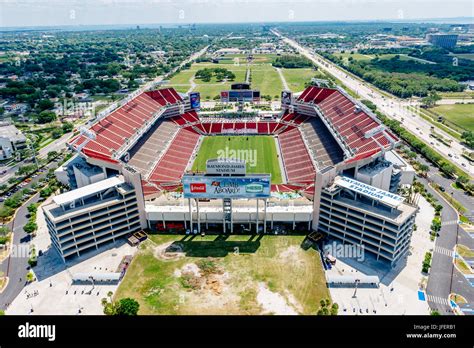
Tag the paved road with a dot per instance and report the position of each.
(282, 78)
(444, 278)
(57, 145)
(387, 104)
(16, 266)
(435, 175)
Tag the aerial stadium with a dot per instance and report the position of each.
(323, 163)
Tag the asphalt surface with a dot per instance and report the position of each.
(16, 265)
(436, 176)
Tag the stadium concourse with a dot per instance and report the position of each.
(339, 174)
(164, 151)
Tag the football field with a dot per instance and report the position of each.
(259, 152)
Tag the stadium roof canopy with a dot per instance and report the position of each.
(87, 191)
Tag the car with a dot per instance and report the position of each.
(463, 164)
(450, 155)
(442, 189)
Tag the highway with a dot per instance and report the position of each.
(390, 106)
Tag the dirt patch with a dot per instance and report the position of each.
(170, 251)
(273, 302)
(293, 254)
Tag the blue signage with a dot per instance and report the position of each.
(201, 186)
(195, 100)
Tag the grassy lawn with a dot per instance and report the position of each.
(460, 114)
(296, 78)
(463, 267)
(180, 88)
(264, 76)
(182, 78)
(215, 275)
(457, 95)
(464, 251)
(264, 155)
(359, 56)
(267, 80)
(355, 56)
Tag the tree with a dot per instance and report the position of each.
(32, 208)
(30, 277)
(56, 133)
(45, 104)
(468, 138)
(127, 306)
(52, 155)
(430, 100)
(424, 169)
(30, 227)
(5, 212)
(448, 168)
(67, 127)
(46, 117)
(462, 179)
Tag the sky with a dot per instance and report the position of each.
(19, 13)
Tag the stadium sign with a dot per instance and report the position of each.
(215, 187)
(225, 166)
(286, 98)
(375, 193)
(195, 100)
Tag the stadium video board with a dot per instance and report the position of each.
(219, 187)
(195, 100)
(240, 96)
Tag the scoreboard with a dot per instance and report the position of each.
(243, 95)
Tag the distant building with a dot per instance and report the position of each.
(443, 40)
(11, 140)
(224, 51)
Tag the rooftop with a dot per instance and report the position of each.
(12, 133)
(86, 191)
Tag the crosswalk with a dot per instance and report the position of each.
(449, 222)
(443, 251)
(438, 300)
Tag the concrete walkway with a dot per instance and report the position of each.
(282, 78)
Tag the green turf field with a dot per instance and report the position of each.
(259, 152)
(460, 114)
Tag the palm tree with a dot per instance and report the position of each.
(424, 169)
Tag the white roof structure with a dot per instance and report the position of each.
(375, 193)
(88, 190)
